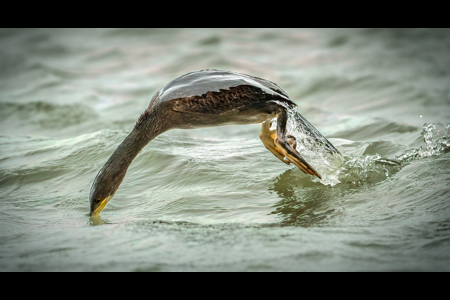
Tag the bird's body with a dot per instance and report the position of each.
(204, 99)
(215, 98)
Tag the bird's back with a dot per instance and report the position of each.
(199, 83)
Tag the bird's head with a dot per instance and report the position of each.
(97, 204)
(101, 193)
(103, 188)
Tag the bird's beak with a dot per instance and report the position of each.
(95, 210)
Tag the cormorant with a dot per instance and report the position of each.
(202, 99)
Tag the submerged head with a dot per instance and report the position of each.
(105, 186)
(101, 192)
(97, 205)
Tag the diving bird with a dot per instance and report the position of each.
(202, 99)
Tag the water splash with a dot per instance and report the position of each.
(314, 147)
(374, 168)
(434, 144)
(355, 170)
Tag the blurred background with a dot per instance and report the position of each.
(215, 199)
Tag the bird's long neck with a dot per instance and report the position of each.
(149, 126)
(146, 129)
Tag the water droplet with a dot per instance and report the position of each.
(421, 116)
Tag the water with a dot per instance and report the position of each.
(215, 199)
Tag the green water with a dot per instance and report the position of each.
(215, 199)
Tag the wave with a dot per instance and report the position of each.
(45, 114)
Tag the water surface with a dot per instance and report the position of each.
(215, 199)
